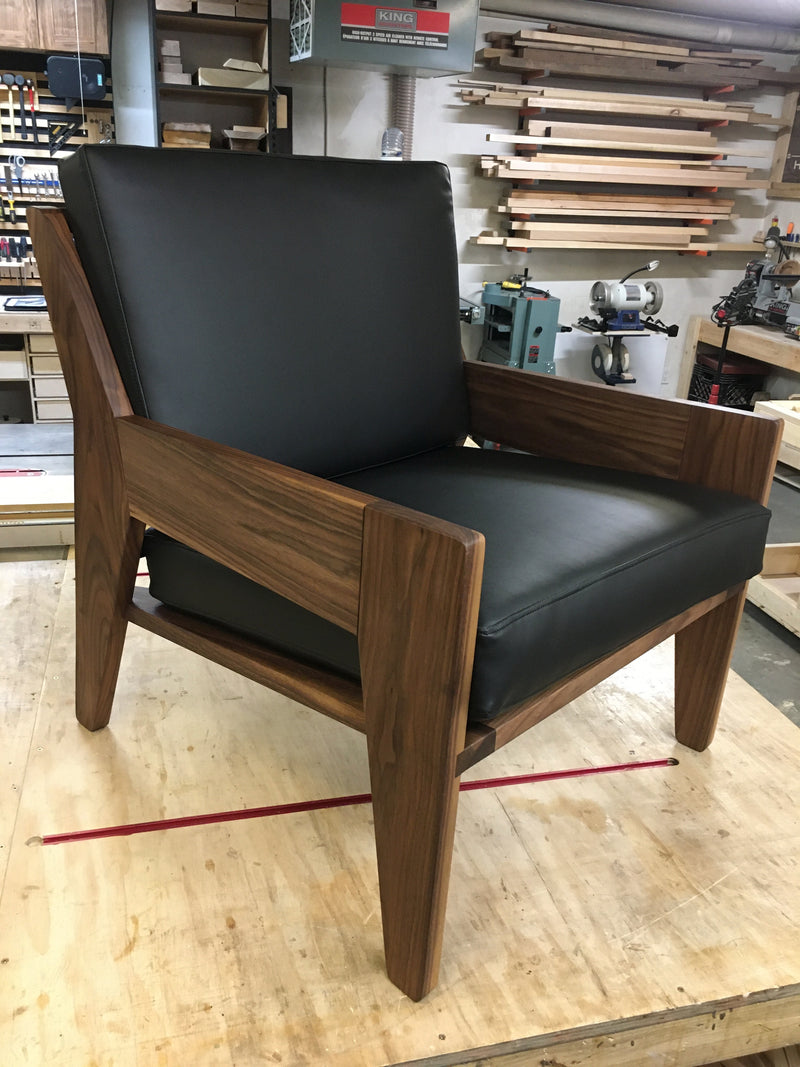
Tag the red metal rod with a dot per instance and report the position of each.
(127, 829)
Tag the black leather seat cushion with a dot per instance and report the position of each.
(579, 561)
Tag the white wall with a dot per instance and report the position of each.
(448, 130)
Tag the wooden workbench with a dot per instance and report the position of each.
(756, 342)
(647, 917)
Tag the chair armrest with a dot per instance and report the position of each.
(607, 427)
(297, 534)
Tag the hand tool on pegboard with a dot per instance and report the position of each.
(32, 107)
(8, 81)
(59, 132)
(23, 126)
(10, 195)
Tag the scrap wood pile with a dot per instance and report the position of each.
(647, 164)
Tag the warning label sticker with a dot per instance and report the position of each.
(368, 24)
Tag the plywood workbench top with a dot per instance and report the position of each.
(647, 917)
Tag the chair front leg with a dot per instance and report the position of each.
(420, 590)
(703, 653)
(106, 562)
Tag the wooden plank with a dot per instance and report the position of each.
(681, 108)
(51, 492)
(562, 63)
(638, 234)
(620, 175)
(108, 541)
(657, 148)
(532, 201)
(601, 42)
(720, 50)
(525, 244)
(691, 337)
(789, 412)
(296, 534)
(757, 342)
(417, 672)
(606, 132)
(588, 423)
(642, 98)
(695, 112)
(522, 208)
(640, 894)
(325, 692)
(777, 589)
(514, 722)
(698, 204)
(534, 160)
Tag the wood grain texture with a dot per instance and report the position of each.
(107, 538)
(577, 421)
(488, 737)
(757, 342)
(703, 653)
(19, 28)
(584, 914)
(417, 630)
(588, 423)
(321, 690)
(290, 531)
(73, 25)
(735, 454)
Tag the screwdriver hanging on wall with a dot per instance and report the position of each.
(23, 128)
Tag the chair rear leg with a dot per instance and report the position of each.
(420, 590)
(703, 653)
(106, 561)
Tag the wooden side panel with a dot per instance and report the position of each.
(107, 539)
(334, 696)
(287, 530)
(484, 738)
(734, 451)
(417, 630)
(578, 421)
(586, 423)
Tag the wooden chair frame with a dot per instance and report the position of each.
(354, 560)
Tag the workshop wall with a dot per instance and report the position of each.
(447, 129)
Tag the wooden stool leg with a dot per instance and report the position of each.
(703, 653)
(417, 635)
(106, 561)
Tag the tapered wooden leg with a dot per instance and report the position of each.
(108, 543)
(104, 586)
(421, 585)
(703, 653)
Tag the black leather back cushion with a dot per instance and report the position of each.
(279, 305)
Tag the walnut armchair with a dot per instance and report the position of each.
(263, 359)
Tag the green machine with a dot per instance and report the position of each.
(520, 325)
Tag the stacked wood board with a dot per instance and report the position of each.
(619, 169)
(36, 510)
(540, 53)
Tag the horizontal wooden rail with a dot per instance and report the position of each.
(287, 530)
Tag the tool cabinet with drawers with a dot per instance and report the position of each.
(48, 388)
